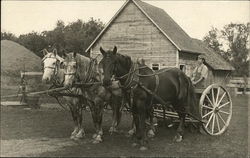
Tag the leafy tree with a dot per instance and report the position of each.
(8, 36)
(211, 39)
(75, 36)
(34, 42)
(232, 43)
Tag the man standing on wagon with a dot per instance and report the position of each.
(200, 73)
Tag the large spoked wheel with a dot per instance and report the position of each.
(215, 109)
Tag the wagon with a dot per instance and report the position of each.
(215, 107)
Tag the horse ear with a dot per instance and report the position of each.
(74, 54)
(64, 55)
(45, 52)
(102, 51)
(61, 65)
(115, 50)
(55, 51)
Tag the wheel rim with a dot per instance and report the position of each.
(215, 109)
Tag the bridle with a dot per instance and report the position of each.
(89, 75)
(55, 68)
(71, 73)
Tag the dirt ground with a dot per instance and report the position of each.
(45, 132)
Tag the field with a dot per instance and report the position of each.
(45, 132)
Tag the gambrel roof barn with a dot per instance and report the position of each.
(139, 29)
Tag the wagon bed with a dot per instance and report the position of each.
(215, 108)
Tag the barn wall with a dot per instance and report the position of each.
(135, 35)
(220, 77)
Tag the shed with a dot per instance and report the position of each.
(141, 30)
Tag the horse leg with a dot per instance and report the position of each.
(116, 115)
(151, 131)
(81, 132)
(74, 116)
(140, 118)
(180, 129)
(98, 112)
(132, 131)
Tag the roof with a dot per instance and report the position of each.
(164, 23)
(213, 59)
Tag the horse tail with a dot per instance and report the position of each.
(186, 95)
(192, 101)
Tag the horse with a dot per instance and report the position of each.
(53, 73)
(170, 86)
(81, 69)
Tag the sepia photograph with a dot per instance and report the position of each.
(125, 78)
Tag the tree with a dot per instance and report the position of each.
(79, 35)
(211, 39)
(8, 36)
(232, 43)
(34, 42)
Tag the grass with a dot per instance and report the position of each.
(20, 124)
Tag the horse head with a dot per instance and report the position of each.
(77, 68)
(70, 69)
(114, 65)
(51, 62)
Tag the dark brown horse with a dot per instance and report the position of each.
(170, 85)
(81, 69)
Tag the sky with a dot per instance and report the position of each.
(195, 17)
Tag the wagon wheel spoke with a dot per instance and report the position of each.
(207, 114)
(207, 107)
(221, 98)
(213, 96)
(208, 122)
(217, 96)
(209, 100)
(213, 123)
(221, 118)
(218, 123)
(223, 105)
(224, 112)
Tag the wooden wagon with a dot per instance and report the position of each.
(215, 106)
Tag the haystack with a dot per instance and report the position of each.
(14, 59)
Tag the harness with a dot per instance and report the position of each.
(133, 80)
(89, 75)
(51, 67)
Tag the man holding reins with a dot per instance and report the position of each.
(200, 72)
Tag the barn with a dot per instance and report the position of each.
(141, 30)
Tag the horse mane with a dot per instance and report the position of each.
(59, 58)
(124, 60)
(82, 65)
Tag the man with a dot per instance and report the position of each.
(200, 72)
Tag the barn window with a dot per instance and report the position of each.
(155, 66)
(182, 67)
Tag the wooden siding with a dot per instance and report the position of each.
(135, 35)
(221, 77)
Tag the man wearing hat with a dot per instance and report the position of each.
(200, 72)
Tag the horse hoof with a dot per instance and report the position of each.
(72, 137)
(134, 144)
(178, 138)
(143, 148)
(76, 139)
(151, 133)
(98, 138)
(131, 132)
(94, 136)
(96, 142)
(79, 136)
